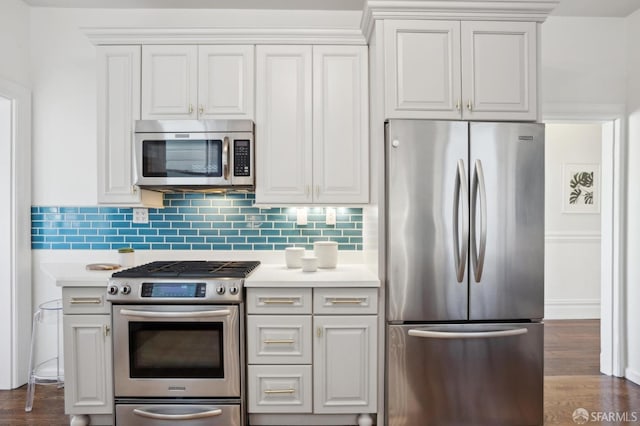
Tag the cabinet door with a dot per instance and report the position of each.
(422, 69)
(87, 364)
(345, 364)
(283, 124)
(225, 82)
(340, 124)
(499, 70)
(118, 108)
(169, 82)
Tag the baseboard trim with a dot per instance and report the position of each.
(572, 309)
(632, 375)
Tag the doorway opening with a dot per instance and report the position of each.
(583, 219)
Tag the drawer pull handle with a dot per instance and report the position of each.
(277, 391)
(86, 301)
(346, 301)
(279, 301)
(278, 341)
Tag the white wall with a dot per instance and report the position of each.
(633, 203)
(14, 41)
(572, 240)
(583, 61)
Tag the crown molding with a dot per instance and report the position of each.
(113, 35)
(496, 10)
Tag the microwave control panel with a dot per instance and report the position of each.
(241, 157)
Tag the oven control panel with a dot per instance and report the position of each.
(137, 290)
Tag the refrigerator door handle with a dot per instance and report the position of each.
(477, 255)
(460, 256)
(466, 334)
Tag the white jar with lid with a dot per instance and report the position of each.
(126, 257)
(327, 253)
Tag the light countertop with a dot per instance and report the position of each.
(278, 275)
(266, 275)
(76, 275)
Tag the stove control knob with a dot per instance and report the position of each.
(220, 289)
(126, 289)
(233, 290)
(112, 289)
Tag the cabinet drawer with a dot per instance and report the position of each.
(85, 300)
(280, 389)
(279, 301)
(345, 301)
(279, 339)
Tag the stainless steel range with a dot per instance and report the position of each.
(178, 349)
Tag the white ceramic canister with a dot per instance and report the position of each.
(293, 256)
(327, 253)
(309, 263)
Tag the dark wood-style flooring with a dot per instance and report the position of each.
(572, 380)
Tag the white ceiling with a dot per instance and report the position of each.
(205, 4)
(604, 8)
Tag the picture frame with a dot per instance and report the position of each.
(581, 188)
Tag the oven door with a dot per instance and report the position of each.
(176, 351)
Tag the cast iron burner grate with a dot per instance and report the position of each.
(191, 269)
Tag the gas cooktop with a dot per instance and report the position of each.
(190, 269)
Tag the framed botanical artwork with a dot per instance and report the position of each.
(580, 188)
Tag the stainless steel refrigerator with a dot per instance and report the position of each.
(465, 273)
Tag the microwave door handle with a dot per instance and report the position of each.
(156, 414)
(225, 158)
(156, 314)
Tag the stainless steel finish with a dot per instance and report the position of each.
(460, 254)
(494, 381)
(164, 413)
(182, 315)
(85, 301)
(421, 265)
(466, 334)
(226, 130)
(225, 158)
(229, 386)
(216, 291)
(279, 301)
(512, 157)
(278, 391)
(278, 341)
(347, 301)
(157, 412)
(477, 255)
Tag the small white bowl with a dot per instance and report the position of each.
(293, 256)
(309, 263)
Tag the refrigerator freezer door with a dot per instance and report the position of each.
(466, 374)
(427, 208)
(506, 279)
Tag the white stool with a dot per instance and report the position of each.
(46, 372)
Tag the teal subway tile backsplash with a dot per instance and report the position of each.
(193, 221)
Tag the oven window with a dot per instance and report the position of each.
(182, 158)
(176, 350)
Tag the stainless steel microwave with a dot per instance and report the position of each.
(196, 155)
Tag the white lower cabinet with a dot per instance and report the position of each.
(317, 357)
(88, 388)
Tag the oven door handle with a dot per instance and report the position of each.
(156, 314)
(158, 415)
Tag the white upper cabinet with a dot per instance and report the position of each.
(283, 124)
(499, 70)
(472, 70)
(340, 124)
(118, 108)
(312, 125)
(197, 82)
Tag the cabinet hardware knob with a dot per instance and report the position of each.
(469, 105)
(458, 105)
(307, 190)
(201, 110)
(107, 331)
(190, 109)
(317, 191)
(319, 332)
